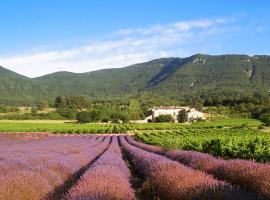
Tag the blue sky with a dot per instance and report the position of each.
(40, 37)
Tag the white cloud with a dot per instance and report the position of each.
(126, 47)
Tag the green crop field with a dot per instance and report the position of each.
(61, 126)
(227, 138)
(231, 122)
(219, 139)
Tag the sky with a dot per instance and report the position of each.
(42, 37)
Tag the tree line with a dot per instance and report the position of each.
(124, 109)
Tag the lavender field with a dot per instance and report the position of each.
(116, 167)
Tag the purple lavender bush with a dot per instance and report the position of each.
(195, 160)
(34, 169)
(147, 147)
(253, 176)
(171, 180)
(107, 179)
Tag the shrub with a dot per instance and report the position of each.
(34, 111)
(254, 176)
(67, 113)
(164, 118)
(41, 105)
(114, 183)
(117, 117)
(125, 117)
(182, 116)
(84, 117)
(105, 120)
(95, 115)
(260, 127)
(213, 147)
(171, 180)
(247, 174)
(34, 171)
(265, 118)
(6, 109)
(60, 102)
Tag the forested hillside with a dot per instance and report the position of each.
(15, 88)
(203, 77)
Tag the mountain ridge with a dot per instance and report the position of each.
(172, 77)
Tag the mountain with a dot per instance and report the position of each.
(14, 87)
(197, 75)
(108, 82)
(204, 73)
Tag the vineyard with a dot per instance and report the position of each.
(76, 128)
(89, 166)
(226, 142)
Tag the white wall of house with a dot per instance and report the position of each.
(173, 111)
(193, 114)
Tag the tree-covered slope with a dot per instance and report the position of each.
(15, 88)
(108, 82)
(198, 75)
(230, 74)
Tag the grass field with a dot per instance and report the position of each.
(57, 127)
(65, 126)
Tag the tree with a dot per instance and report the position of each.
(134, 109)
(34, 111)
(164, 118)
(95, 115)
(68, 113)
(3, 109)
(124, 117)
(116, 117)
(198, 106)
(265, 118)
(84, 117)
(182, 116)
(41, 105)
(78, 102)
(60, 102)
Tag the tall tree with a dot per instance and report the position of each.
(134, 109)
(60, 102)
(182, 116)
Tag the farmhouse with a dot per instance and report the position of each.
(193, 114)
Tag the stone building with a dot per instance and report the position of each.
(193, 114)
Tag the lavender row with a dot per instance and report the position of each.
(147, 147)
(36, 154)
(108, 178)
(33, 171)
(171, 180)
(253, 176)
(8, 139)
